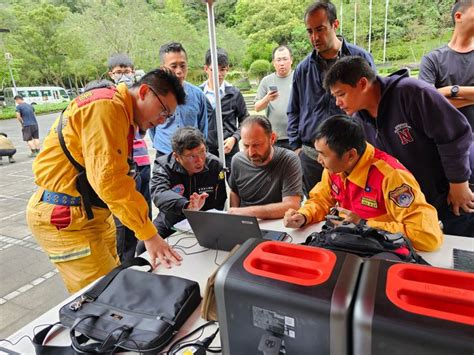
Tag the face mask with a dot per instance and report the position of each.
(127, 79)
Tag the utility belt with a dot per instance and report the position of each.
(309, 151)
(57, 198)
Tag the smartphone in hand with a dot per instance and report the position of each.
(273, 88)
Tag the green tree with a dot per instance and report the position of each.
(37, 51)
(260, 68)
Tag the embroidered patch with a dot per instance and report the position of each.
(403, 196)
(93, 95)
(222, 175)
(335, 188)
(369, 202)
(179, 189)
(207, 189)
(403, 131)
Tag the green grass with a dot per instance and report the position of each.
(9, 112)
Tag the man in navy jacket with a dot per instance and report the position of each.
(411, 121)
(310, 103)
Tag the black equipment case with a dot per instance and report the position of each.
(408, 309)
(273, 296)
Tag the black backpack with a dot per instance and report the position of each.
(365, 242)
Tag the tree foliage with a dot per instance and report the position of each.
(67, 42)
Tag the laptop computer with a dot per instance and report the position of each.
(222, 231)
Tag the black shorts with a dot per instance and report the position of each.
(7, 152)
(30, 132)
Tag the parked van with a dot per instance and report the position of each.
(36, 94)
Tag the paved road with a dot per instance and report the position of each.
(29, 283)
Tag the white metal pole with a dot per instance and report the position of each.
(385, 32)
(215, 77)
(8, 58)
(340, 20)
(370, 23)
(355, 22)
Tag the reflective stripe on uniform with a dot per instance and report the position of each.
(71, 255)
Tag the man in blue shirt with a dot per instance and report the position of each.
(192, 113)
(25, 113)
(309, 102)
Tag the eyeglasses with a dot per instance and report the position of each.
(284, 59)
(192, 157)
(165, 113)
(119, 74)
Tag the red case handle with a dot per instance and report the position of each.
(433, 292)
(296, 264)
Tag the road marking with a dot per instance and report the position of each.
(22, 289)
(12, 215)
(20, 242)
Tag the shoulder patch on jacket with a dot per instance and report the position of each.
(94, 95)
(403, 196)
(179, 189)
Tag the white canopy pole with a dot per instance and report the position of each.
(355, 22)
(340, 20)
(370, 24)
(215, 77)
(385, 32)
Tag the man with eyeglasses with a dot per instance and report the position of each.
(71, 214)
(121, 70)
(193, 113)
(188, 178)
(234, 109)
(274, 91)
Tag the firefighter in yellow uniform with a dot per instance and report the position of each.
(71, 217)
(368, 186)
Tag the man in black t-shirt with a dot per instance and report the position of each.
(450, 67)
(25, 113)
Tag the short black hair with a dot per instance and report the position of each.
(279, 48)
(171, 47)
(461, 6)
(349, 70)
(222, 58)
(260, 120)
(322, 5)
(119, 60)
(163, 81)
(18, 97)
(342, 133)
(186, 138)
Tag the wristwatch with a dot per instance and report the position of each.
(454, 90)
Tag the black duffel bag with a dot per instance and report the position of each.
(366, 242)
(127, 310)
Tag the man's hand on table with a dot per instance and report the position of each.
(293, 219)
(158, 249)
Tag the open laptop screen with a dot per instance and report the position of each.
(222, 231)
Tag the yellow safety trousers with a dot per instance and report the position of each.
(83, 250)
